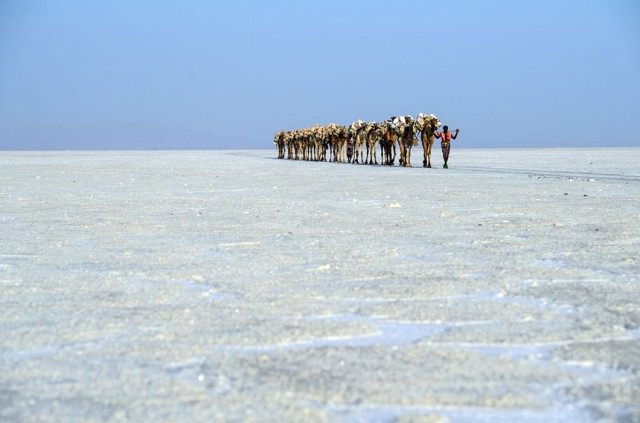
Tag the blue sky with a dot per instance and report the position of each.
(159, 74)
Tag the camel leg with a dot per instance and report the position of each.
(405, 157)
(424, 154)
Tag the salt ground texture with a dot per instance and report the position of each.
(233, 286)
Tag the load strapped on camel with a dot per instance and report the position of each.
(424, 120)
(357, 142)
(399, 123)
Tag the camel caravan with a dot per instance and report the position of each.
(357, 143)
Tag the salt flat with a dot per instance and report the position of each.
(233, 286)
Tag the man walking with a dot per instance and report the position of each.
(446, 137)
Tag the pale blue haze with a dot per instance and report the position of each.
(205, 74)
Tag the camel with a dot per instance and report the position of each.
(427, 125)
(294, 145)
(387, 138)
(396, 123)
(335, 142)
(279, 140)
(299, 143)
(312, 144)
(325, 143)
(341, 143)
(332, 139)
(406, 132)
(361, 142)
(351, 144)
(359, 137)
(372, 140)
(317, 135)
(308, 144)
(290, 144)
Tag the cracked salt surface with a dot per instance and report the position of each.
(181, 286)
(388, 333)
(384, 414)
